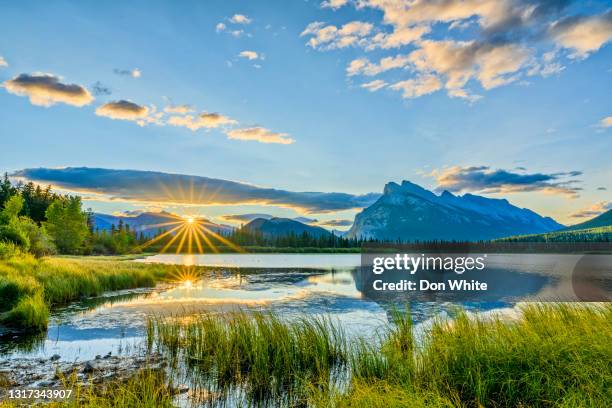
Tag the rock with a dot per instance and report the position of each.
(179, 389)
(108, 355)
(89, 367)
(98, 357)
(55, 357)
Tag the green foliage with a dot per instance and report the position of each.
(67, 224)
(41, 243)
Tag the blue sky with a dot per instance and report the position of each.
(510, 101)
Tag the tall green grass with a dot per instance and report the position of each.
(29, 286)
(148, 388)
(555, 355)
(256, 354)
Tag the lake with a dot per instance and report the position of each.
(288, 284)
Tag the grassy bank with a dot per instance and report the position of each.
(29, 287)
(553, 356)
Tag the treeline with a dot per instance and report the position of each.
(600, 234)
(246, 237)
(36, 220)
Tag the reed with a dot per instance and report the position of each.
(258, 353)
(29, 287)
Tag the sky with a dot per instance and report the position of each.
(308, 108)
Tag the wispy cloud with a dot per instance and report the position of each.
(606, 122)
(330, 37)
(157, 187)
(243, 218)
(180, 109)
(47, 90)
(594, 210)
(3, 62)
(240, 19)
(259, 134)
(506, 42)
(134, 73)
(483, 179)
(336, 223)
(374, 85)
(334, 4)
(250, 55)
(99, 89)
(203, 120)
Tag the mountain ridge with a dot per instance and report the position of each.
(411, 212)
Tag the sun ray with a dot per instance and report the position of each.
(174, 238)
(207, 240)
(223, 240)
(184, 234)
(159, 237)
(197, 241)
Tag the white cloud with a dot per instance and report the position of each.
(250, 55)
(123, 110)
(375, 85)
(606, 122)
(3, 62)
(460, 61)
(594, 210)
(240, 19)
(47, 90)
(583, 35)
(203, 120)
(422, 85)
(259, 134)
(181, 109)
(502, 46)
(334, 4)
(364, 67)
(331, 37)
(220, 27)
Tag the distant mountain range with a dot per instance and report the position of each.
(150, 223)
(405, 211)
(410, 212)
(275, 227)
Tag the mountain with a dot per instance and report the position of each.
(151, 222)
(284, 226)
(410, 212)
(602, 220)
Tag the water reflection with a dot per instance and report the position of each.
(115, 322)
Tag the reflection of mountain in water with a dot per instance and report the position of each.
(505, 287)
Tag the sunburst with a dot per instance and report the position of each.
(191, 235)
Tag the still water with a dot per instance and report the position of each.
(288, 284)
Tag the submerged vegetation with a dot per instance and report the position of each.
(555, 355)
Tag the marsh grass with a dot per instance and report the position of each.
(256, 354)
(148, 388)
(29, 287)
(554, 355)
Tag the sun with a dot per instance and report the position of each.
(189, 220)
